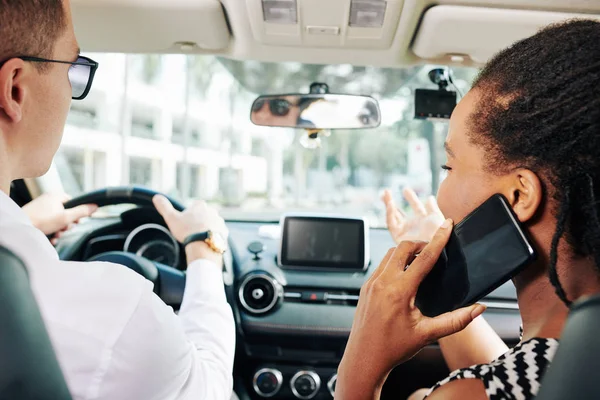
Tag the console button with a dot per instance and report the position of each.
(305, 384)
(267, 382)
(313, 297)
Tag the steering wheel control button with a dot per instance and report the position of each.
(267, 382)
(256, 248)
(305, 384)
(331, 385)
(259, 293)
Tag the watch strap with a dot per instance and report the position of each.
(196, 237)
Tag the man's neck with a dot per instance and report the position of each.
(543, 313)
(6, 163)
(5, 181)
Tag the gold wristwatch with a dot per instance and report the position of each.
(214, 240)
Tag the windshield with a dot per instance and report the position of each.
(181, 125)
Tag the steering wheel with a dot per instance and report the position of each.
(169, 282)
(120, 195)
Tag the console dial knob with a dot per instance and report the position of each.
(267, 382)
(305, 384)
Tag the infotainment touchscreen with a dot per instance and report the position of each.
(324, 242)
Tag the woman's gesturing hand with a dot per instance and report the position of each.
(388, 328)
(422, 225)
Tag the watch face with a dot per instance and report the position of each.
(218, 241)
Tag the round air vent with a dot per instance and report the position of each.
(260, 293)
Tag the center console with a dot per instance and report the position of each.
(297, 294)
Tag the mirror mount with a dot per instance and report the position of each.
(311, 138)
(319, 88)
(313, 133)
(441, 77)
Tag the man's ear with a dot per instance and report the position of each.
(12, 91)
(525, 193)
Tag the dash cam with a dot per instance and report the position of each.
(436, 103)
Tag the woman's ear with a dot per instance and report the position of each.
(525, 193)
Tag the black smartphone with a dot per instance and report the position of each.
(485, 250)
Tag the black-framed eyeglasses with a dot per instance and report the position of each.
(81, 74)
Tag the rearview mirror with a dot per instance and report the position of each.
(316, 111)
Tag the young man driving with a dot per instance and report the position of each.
(114, 338)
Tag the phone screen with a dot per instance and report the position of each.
(485, 250)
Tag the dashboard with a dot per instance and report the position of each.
(292, 324)
(139, 231)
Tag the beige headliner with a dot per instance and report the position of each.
(235, 29)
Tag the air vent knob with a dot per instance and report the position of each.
(260, 293)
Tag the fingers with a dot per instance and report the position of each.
(387, 197)
(59, 235)
(431, 206)
(415, 203)
(393, 217)
(383, 263)
(452, 322)
(74, 214)
(388, 200)
(164, 207)
(403, 255)
(430, 254)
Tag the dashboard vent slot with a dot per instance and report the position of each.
(259, 293)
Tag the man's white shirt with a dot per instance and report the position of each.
(114, 338)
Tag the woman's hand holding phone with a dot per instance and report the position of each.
(388, 328)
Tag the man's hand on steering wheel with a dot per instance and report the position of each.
(47, 213)
(197, 218)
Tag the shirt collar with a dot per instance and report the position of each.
(11, 212)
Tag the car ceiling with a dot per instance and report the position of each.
(452, 32)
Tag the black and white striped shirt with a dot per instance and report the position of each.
(516, 375)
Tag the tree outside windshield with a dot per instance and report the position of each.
(180, 125)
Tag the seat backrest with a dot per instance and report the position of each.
(28, 365)
(575, 369)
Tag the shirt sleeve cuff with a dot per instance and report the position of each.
(204, 278)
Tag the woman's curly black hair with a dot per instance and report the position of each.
(540, 109)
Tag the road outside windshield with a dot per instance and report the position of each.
(180, 125)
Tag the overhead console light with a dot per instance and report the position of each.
(367, 13)
(280, 11)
